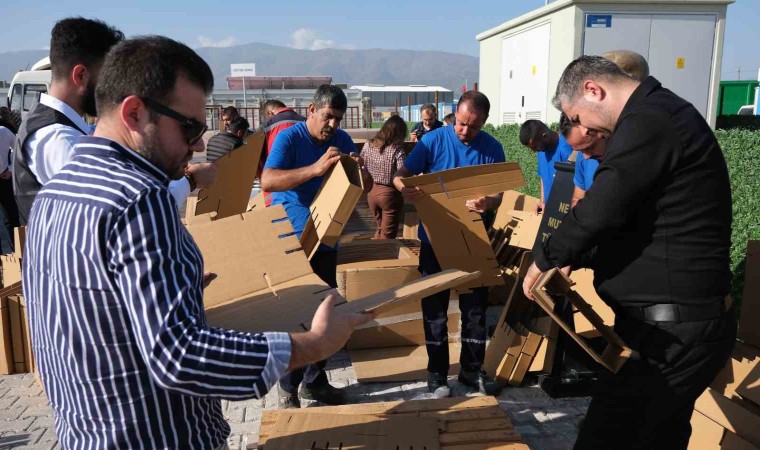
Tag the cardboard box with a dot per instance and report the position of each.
(463, 423)
(7, 365)
(749, 332)
(553, 283)
(11, 263)
(513, 201)
(397, 363)
(739, 377)
(236, 172)
(400, 331)
(411, 225)
(707, 434)
(584, 286)
(369, 266)
(332, 207)
(18, 333)
(456, 234)
(740, 418)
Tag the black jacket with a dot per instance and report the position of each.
(659, 210)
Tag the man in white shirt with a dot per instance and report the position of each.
(45, 142)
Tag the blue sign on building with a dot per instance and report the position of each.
(599, 21)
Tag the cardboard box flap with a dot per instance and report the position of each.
(375, 253)
(236, 172)
(417, 289)
(524, 226)
(513, 201)
(730, 415)
(469, 181)
(749, 332)
(248, 253)
(397, 363)
(749, 387)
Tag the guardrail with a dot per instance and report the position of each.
(255, 116)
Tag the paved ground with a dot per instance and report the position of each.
(546, 424)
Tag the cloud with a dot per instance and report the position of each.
(209, 42)
(307, 39)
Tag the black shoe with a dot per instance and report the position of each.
(324, 393)
(438, 385)
(479, 379)
(286, 400)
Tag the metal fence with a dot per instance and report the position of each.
(255, 116)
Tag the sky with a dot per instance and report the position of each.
(349, 24)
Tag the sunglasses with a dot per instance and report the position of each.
(192, 130)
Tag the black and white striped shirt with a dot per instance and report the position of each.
(113, 285)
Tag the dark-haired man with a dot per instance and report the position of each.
(279, 118)
(441, 149)
(228, 140)
(430, 122)
(46, 139)
(113, 280)
(659, 215)
(294, 170)
(549, 147)
(229, 114)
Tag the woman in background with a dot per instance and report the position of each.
(383, 155)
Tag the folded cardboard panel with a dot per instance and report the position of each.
(475, 423)
(236, 172)
(456, 234)
(749, 332)
(397, 363)
(7, 365)
(18, 333)
(739, 377)
(332, 207)
(707, 434)
(399, 331)
(411, 225)
(366, 267)
(584, 286)
(513, 201)
(739, 417)
(11, 263)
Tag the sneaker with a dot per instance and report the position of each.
(286, 400)
(324, 393)
(438, 385)
(479, 379)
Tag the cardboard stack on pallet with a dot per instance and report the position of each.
(15, 343)
(727, 415)
(476, 423)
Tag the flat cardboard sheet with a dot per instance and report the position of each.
(457, 235)
(749, 331)
(352, 432)
(739, 377)
(397, 363)
(399, 332)
(332, 207)
(6, 339)
(731, 414)
(513, 201)
(584, 286)
(236, 172)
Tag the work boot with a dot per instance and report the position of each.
(324, 393)
(479, 379)
(438, 385)
(287, 400)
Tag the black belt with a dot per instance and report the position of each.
(675, 312)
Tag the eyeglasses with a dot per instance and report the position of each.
(192, 130)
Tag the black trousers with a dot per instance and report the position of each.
(324, 264)
(648, 404)
(434, 311)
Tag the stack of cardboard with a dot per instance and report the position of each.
(727, 415)
(15, 343)
(451, 423)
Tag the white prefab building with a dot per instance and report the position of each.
(522, 60)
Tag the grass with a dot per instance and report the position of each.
(741, 149)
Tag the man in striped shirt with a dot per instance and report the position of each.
(113, 281)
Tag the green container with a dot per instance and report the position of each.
(734, 95)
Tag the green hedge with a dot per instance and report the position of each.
(742, 152)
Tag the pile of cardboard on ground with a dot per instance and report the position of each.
(391, 347)
(15, 344)
(727, 415)
(475, 423)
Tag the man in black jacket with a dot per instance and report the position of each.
(228, 140)
(659, 217)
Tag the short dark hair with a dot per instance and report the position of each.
(450, 118)
(231, 110)
(77, 40)
(476, 100)
(584, 68)
(331, 96)
(429, 107)
(239, 124)
(273, 104)
(148, 67)
(531, 129)
(565, 125)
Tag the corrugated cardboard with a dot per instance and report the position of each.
(332, 207)
(472, 423)
(456, 234)
(11, 263)
(739, 418)
(397, 363)
(749, 331)
(555, 283)
(400, 331)
(411, 225)
(584, 286)
(749, 387)
(737, 372)
(706, 434)
(18, 334)
(513, 201)
(356, 431)
(29, 362)
(236, 172)
(6, 336)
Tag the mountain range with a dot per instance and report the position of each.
(363, 66)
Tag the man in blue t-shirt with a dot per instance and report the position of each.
(295, 167)
(445, 148)
(592, 145)
(550, 147)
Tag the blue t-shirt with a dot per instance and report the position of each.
(294, 148)
(584, 172)
(546, 160)
(441, 149)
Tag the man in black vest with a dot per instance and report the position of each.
(659, 215)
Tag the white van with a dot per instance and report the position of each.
(27, 86)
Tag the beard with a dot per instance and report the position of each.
(151, 150)
(88, 102)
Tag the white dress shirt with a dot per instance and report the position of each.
(58, 142)
(6, 144)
